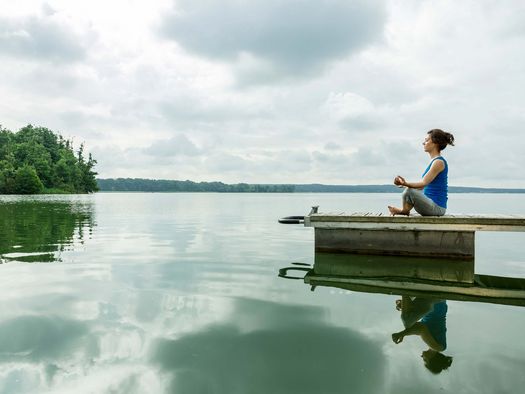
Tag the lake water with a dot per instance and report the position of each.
(179, 293)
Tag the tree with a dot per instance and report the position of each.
(50, 156)
(27, 181)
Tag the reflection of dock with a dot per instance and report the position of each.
(449, 236)
(401, 276)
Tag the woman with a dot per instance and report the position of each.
(432, 201)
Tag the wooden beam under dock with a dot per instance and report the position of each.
(449, 236)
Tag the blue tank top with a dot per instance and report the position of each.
(437, 190)
(436, 322)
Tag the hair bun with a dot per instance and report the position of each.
(450, 138)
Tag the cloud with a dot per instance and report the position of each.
(362, 122)
(45, 37)
(255, 85)
(260, 164)
(353, 112)
(332, 146)
(178, 145)
(273, 39)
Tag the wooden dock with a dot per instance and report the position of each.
(449, 236)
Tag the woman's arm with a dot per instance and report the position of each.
(421, 330)
(436, 167)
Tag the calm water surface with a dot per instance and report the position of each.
(179, 293)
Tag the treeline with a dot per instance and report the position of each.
(319, 188)
(161, 185)
(37, 160)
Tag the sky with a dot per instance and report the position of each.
(272, 91)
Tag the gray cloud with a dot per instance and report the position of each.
(362, 122)
(225, 162)
(42, 38)
(371, 164)
(201, 110)
(332, 146)
(369, 157)
(384, 160)
(179, 145)
(47, 9)
(260, 164)
(276, 38)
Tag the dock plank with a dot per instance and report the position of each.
(464, 222)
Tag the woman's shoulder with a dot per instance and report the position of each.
(439, 162)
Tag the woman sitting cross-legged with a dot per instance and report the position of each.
(429, 195)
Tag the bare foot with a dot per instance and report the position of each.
(397, 211)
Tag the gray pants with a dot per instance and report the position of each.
(418, 308)
(421, 203)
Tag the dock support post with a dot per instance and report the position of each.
(427, 243)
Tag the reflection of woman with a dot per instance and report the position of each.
(432, 201)
(431, 328)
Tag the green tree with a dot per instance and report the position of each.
(27, 181)
(89, 176)
(52, 158)
(5, 142)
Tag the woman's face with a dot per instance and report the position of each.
(428, 145)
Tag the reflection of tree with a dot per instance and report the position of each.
(34, 229)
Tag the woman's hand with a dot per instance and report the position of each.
(399, 181)
(397, 337)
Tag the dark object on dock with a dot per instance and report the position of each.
(297, 219)
(449, 236)
(292, 220)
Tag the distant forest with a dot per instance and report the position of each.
(36, 160)
(153, 185)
